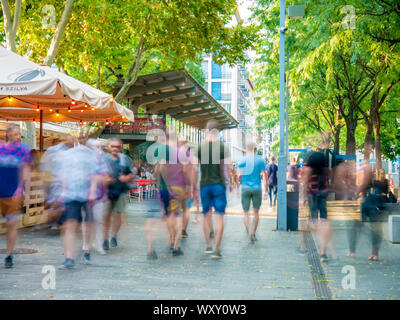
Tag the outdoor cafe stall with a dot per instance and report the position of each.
(30, 92)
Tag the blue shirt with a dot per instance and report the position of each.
(12, 157)
(272, 170)
(78, 167)
(122, 165)
(251, 167)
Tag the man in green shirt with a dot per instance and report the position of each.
(212, 155)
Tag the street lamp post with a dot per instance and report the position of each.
(294, 12)
(282, 201)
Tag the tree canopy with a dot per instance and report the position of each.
(344, 71)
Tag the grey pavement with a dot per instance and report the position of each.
(374, 280)
(268, 269)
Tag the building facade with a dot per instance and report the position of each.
(231, 87)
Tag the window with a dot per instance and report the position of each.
(204, 68)
(215, 70)
(216, 90)
(226, 72)
(226, 91)
(227, 106)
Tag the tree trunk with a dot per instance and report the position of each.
(336, 145)
(376, 120)
(9, 26)
(55, 42)
(367, 141)
(350, 136)
(132, 73)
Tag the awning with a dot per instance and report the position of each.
(179, 95)
(30, 92)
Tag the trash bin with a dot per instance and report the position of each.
(292, 193)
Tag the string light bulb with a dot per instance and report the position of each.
(107, 122)
(73, 102)
(80, 122)
(51, 110)
(111, 99)
(57, 114)
(86, 105)
(37, 109)
(92, 109)
(9, 98)
(69, 109)
(82, 110)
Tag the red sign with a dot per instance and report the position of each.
(141, 125)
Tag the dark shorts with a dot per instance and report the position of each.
(164, 200)
(317, 203)
(251, 195)
(76, 210)
(213, 195)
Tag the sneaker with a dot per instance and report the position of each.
(68, 264)
(216, 255)
(152, 255)
(114, 242)
(8, 262)
(209, 250)
(184, 234)
(301, 251)
(252, 238)
(324, 258)
(177, 252)
(171, 247)
(86, 258)
(106, 245)
(101, 251)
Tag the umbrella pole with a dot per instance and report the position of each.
(41, 132)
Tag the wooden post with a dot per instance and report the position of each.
(41, 131)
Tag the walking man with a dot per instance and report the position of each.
(122, 174)
(315, 179)
(81, 173)
(272, 172)
(212, 155)
(15, 163)
(251, 168)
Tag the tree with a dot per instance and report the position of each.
(11, 24)
(344, 65)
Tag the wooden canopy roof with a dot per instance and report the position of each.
(179, 95)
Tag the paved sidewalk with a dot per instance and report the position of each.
(269, 269)
(378, 280)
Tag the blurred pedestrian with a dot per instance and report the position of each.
(15, 165)
(212, 155)
(315, 175)
(81, 172)
(100, 203)
(122, 174)
(272, 174)
(53, 179)
(251, 167)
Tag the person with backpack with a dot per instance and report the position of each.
(122, 174)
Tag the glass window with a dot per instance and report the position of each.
(227, 106)
(226, 72)
(216, 90)
(204, 68)
(226, 91)
(215, 70)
